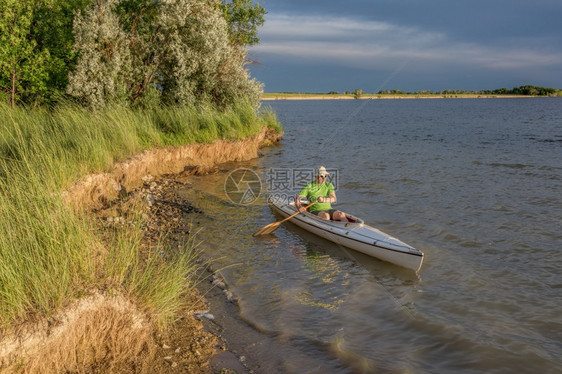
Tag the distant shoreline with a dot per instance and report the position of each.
(284, 96)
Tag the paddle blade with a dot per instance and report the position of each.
(269, 229)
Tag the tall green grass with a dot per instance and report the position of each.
(50, 254)
(154, 280)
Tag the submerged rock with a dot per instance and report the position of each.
(218, 283)
(230, 296)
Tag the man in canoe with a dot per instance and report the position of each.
(322, 191)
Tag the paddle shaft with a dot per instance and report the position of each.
(294, 214)
(268, 229)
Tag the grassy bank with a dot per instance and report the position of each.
(51, 254)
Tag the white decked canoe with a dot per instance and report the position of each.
(356, 235)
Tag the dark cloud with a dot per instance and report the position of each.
(337, 45)
(477, 17)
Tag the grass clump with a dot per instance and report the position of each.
(154, 277)
(49, 253)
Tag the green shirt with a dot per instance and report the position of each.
(313, 191)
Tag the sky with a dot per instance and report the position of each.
(408, 45)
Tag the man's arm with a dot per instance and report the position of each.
(328, 199)
(298, 204)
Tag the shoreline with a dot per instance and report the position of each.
(148, 178)
(204, 340)
(95, 191)
(276, 97)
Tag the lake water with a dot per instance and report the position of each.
(476, 184)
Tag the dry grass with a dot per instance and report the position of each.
(95, 334)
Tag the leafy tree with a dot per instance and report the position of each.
(36, 48)
(199, 63)
(523, 90)
(23, 72)
(243, 18)
(52, 30)
(139, 19)
(177, 50)
(104, 55)
(501, 91)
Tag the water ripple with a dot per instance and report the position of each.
(475, 184)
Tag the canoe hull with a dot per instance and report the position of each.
(357, 236)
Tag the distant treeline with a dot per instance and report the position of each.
(527, 90)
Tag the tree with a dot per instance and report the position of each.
(52, 30)
(179, 50)
(23, 71)
(357, 93)
(36, 48)
(182, 47)
(100, 75)
(243, 18)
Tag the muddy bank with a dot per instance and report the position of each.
(96, 191)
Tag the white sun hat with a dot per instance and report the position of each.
(321, 171)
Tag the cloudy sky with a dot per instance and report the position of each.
(410, 45)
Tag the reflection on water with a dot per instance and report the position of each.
(463, 181)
